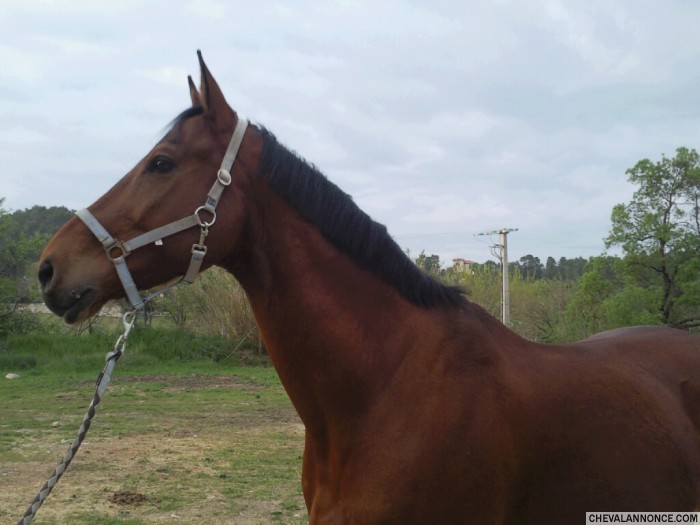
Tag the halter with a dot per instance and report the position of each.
(117, 251)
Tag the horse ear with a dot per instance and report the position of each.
(210, 94)
(194, 94)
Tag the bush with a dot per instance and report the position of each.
(215, 304)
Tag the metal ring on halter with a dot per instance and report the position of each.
(117, 245)
(202, 223)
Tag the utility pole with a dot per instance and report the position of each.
(503, 257)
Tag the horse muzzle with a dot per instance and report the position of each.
(73, 304)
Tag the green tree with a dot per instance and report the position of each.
(538, 308)
(429, 263)
(659, 230)
(610, 294)
(531, 267)
(23, 235)
(571, 269)
(551, 271)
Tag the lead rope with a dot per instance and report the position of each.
(102, 381)
(138, 303)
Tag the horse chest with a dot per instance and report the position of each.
(403, 481)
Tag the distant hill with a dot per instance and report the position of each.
(24, 233)
(37, 220)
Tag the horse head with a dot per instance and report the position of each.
(171, 182)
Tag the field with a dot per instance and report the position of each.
(177, 438)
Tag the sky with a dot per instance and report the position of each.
(442, 119)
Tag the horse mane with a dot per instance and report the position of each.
(347, 227)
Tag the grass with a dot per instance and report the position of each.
(184, 424)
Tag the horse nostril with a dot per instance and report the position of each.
(45, 274)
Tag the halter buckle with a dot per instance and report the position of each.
(224, 177)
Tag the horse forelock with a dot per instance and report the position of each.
(177, 122)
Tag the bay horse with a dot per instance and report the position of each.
(419, 407)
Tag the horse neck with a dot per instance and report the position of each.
(330, 327)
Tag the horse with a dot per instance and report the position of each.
(418, 406)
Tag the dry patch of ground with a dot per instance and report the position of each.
(206, 466)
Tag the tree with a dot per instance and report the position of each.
(610, 295)
(551, 271)
(571, 269)
(429, 263)
(531, 267)
(23, 235)
(659, 230)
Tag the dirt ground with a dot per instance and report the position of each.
(178, 474)
(85, 489)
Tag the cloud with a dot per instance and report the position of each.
(440, 119)
(207, 8)
(165, 75)
(19, 65)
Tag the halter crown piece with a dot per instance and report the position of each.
(117, 251)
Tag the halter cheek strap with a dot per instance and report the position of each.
(117, 251)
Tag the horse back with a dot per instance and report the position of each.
(610, 422)
(671, 356)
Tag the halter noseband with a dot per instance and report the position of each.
(118, 250)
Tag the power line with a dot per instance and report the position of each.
(503, 257)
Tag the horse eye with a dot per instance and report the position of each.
(161, 164)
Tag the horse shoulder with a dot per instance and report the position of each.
(438, 432)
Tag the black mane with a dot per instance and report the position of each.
(347, 227)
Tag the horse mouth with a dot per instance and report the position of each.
(76, 307)
(82, 309)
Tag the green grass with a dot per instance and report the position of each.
(148, 347)
(183, 422)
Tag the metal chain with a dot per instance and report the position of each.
(102, 381)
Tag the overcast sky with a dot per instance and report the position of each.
(442, 118)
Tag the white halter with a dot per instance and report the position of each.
(118, 250)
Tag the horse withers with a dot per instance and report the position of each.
(419, 406)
